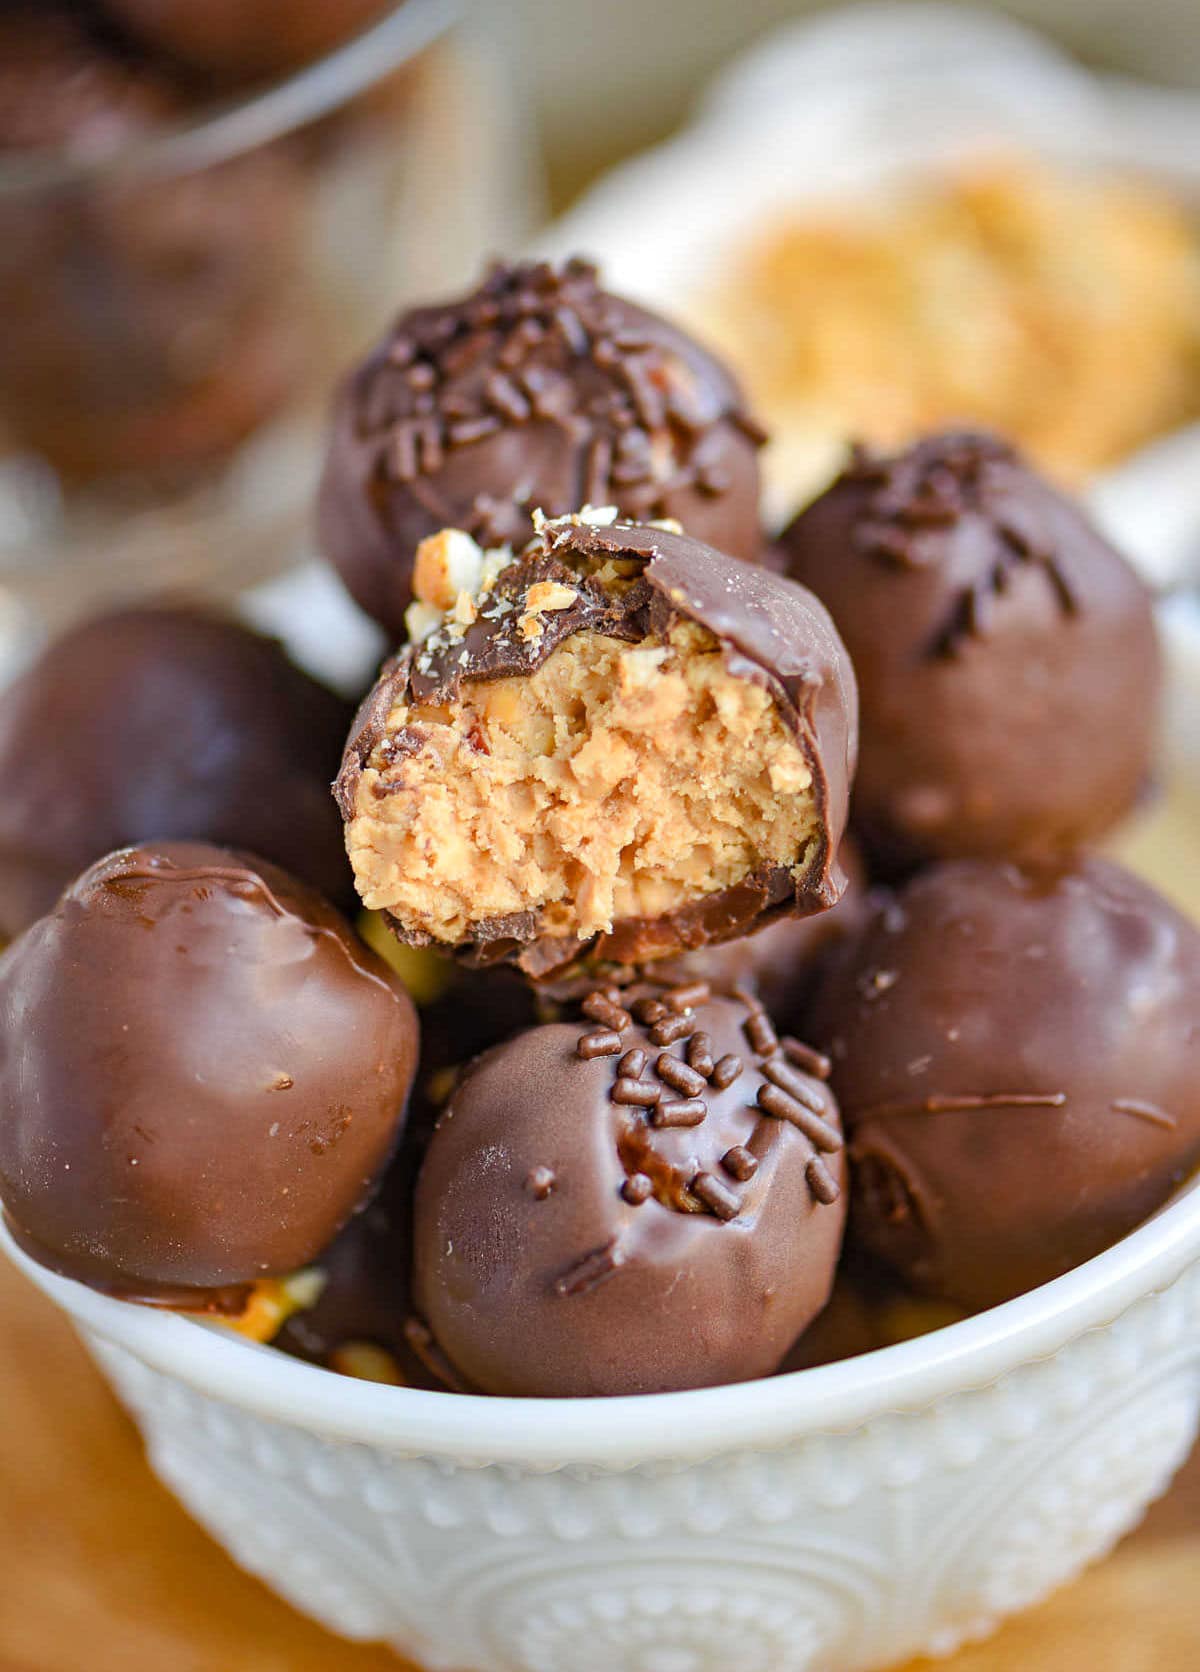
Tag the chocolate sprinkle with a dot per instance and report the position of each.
(649, 1011)
(680, 1112)
(1144, 1111)
(637, 1189)
(426, 1351)
(717, 1197)
(822, 1182)
(604, 1044)
(591, 1271)
(632, 1065)
(680, 999)
(699, 1054)
(680, 1075)
(740, 1163)
(599, 1007)
(761, 1034)
(782, 1074)
(773, 1100)
(636, 1093)
(671, 1030)
(808, 1060)
(726, 1071)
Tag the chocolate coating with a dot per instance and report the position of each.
(564, 1245)
(203, 1072)
(772, 633)
(237, 42)
(164, 723)
(1006, 654)
(537, 391)
(1017, 1057)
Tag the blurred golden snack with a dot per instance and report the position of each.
(273, 1300)
(367, 1363)
(1062, 310)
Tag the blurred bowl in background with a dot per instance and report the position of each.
(178, 307)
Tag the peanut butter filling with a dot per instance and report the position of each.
(617, 781)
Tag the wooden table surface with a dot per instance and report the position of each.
(101, 1571)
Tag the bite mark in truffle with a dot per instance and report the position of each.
(666, 765)
(934, 488)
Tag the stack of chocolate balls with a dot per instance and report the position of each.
(679, 1065)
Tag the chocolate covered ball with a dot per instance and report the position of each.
(538, 391)
(235, 41)
(620, 746)
(647, 1198)
(1017, 1058)
(160, 723)
(1006, 654)
(203, 1072)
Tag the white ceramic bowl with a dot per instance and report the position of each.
(834, 1519)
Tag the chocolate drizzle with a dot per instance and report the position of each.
(1006, 653)
(931, 487)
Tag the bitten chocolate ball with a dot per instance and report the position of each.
(621, 746)
(236, 41)
(162, 723)
(538, 391)
(202, 1070)
(1006, 654)
(645, 1199)
(1017, 1058)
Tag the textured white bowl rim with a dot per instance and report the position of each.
(656, 1428)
